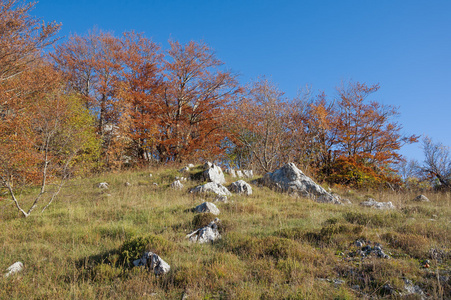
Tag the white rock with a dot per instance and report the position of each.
(127, 184)
(207, 207)
(153, 262)
(239, 174)
(191, 166)
(379, 205)
(241, 187)
(177, 185)
(206, 234)
(290, 179)
(421, 198)
(14, 268)
(103, 185)
(207, 165)
(248, 173)
(212, 187)
(150, 175)
(231, 172)
(214, 174)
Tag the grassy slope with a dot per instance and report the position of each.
(273, 247)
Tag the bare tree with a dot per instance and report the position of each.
(437, 162)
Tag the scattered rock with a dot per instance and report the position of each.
(207, 207)
(241, 187)
(103, 185)
(153, 262)
(379, 205)
(412, 289)
(239, 174)
(248, 173)
(155, 184)
(14, 268)
(290, 179)
(177, 185)
(214, 174)
(212, 187)
(344, 200)
(207, 165)
(184, 170)
(421, 198)
(127, 184)
(209, 233)
(150, 175)
(191, 166)
(366, 250)
(231, 172)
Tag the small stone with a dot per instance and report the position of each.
(14, 268)
(103, 185)
(184, 170)
(421, 198)
(359, 244)
(150, 175)
(191, 166)
(127, 184)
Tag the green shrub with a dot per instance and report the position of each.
(134, 248)
(202, 220)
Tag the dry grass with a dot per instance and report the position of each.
(273, 246)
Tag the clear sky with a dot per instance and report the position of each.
(405, 46)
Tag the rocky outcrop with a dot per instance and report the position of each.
(290, 179)
(379, 205)
(209, 233)
(241, 187)
(153, 263)
(212, 187)
(207, 207)
(214, 174)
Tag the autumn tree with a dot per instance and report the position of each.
(193, 103)
(366, 139)
(141, 83)
(263, 127)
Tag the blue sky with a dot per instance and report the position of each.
(405, 46)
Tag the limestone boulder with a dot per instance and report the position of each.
(212, 187)
(290, 179)
(214, 174)
(209, 233)
(207, 207)
(153, 263)
(241, 187)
